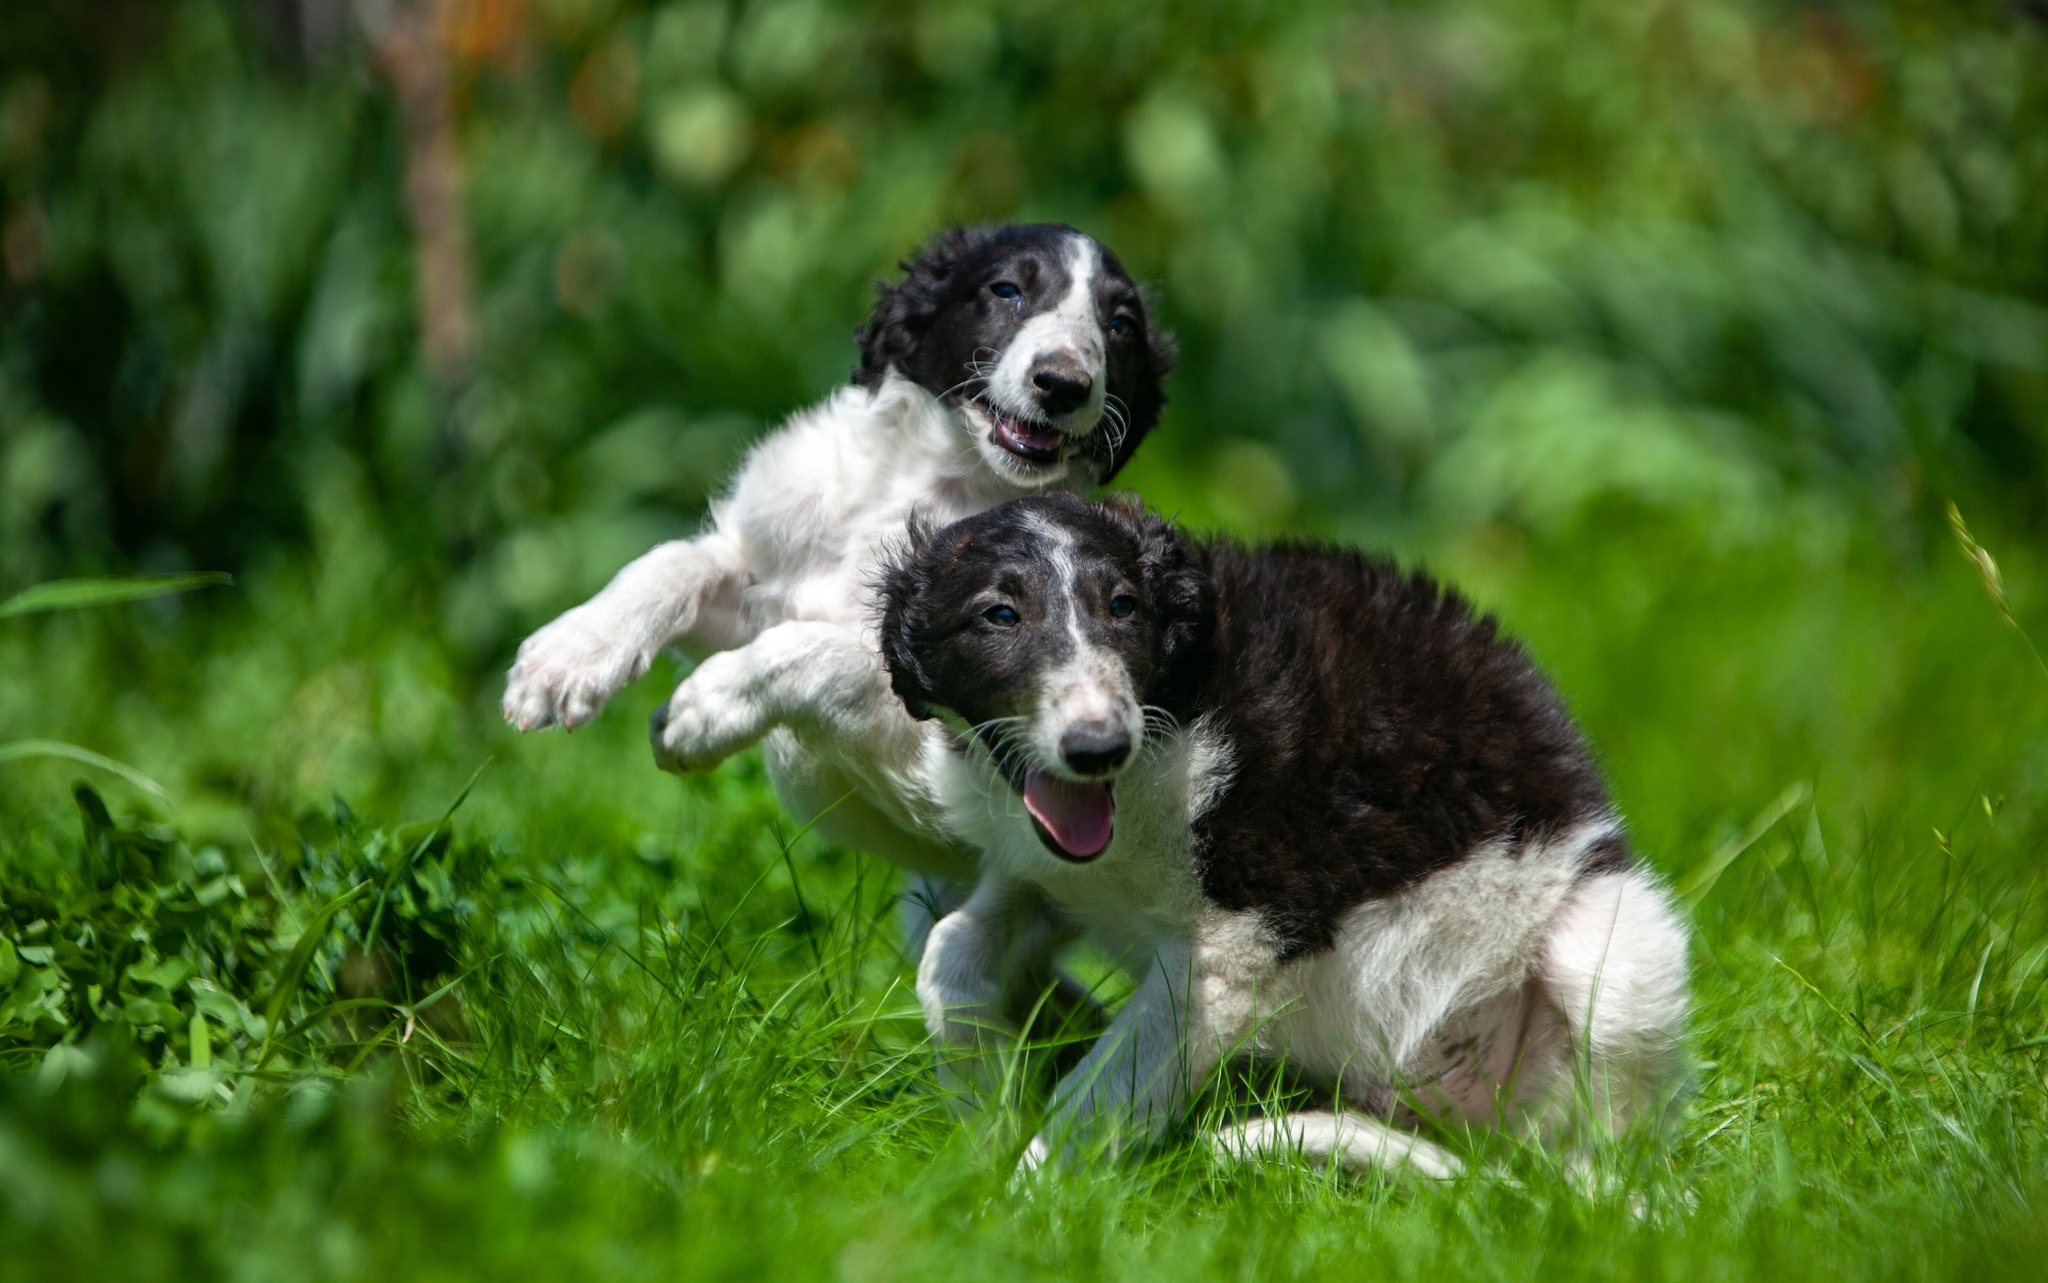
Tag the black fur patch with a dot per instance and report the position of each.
(1382, 730)
(941, 317)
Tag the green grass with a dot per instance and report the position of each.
(679, 1039)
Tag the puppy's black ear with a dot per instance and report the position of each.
(901, 586)
(907, 309)
(1165, 351)
(1183, 599)
(1140, 383)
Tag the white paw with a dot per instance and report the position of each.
(567, 671)
(1035, 1156)
(702, 725)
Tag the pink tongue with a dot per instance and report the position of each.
(1032, 435)
(1077, 815)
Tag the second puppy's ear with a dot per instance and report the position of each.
(1181, 590)
(906, 309)
(1140, 384)
(1183, 599)
(901, 587)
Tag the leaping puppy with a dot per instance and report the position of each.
(1324, 812)
(1009, 361)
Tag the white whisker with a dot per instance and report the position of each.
(993, 722)
(975, 378)
(1166, 723)
(1117, 415)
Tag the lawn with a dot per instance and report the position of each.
(605, 1022)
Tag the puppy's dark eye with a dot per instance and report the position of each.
(1003, 289)
(1122, 326)
(1122, 606)
(1001, 616)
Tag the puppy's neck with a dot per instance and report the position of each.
(943, 438)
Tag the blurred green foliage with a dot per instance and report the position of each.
(1433, 266)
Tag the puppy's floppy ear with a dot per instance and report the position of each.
(907, 309)
(901, 586)
(1183, 599)
(1140, 385)
(1165, 351)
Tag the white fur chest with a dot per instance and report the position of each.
(1143, 891)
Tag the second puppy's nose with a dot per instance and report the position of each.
(1095, 748)
(1063, 384)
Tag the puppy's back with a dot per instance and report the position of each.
(1381, 731)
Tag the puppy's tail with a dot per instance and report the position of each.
(1354, 1141)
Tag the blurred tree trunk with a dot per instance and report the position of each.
(407, 38)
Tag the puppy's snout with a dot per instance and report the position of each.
(657, 722)
(1062, 383)
(1095, 747)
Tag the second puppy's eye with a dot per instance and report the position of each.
(1003, 289)
(1001, 616)
(1122, 606)
(1122, 326)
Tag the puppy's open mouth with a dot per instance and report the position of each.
(1028, 439)
(1073, 819)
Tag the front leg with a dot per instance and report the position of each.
(971, 959)
(815, 677)
(566, 673)
(1133, 1083)
(1200, 1001)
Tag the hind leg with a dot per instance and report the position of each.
(1613, 970)
(1587, 1047)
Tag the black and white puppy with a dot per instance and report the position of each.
(1324, 812)
(1008, 361)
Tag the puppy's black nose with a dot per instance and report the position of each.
(1095, 748)
(1062, 384)
(657, 722)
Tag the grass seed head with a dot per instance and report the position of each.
(1987, 566)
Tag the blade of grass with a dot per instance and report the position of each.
(331, 1009)
(412, 856)
(295, 965)
(78, 594)
(18, 750)
(604, 935)
(1701, 880)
